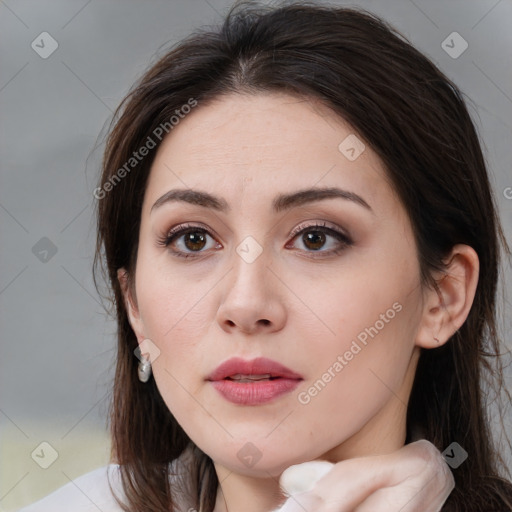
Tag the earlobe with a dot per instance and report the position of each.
(447, 305)
(130, 304)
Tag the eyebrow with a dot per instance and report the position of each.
(281, 202)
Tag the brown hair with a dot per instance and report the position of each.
(416, 121)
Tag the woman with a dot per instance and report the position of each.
(298, 228)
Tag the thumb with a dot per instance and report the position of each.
(303, 477)
(299, 479)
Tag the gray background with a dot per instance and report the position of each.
(57, 342)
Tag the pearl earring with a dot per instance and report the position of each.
(144, 370)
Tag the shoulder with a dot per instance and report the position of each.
(87, 493)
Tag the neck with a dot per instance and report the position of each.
(241, 492)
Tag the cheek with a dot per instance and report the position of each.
(380, 338)
(171, 306)
(350, 384)
(175, 321)
(357, 366)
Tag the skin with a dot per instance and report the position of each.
(205, 309)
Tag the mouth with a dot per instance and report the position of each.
(251, 378)
(253, 382)
(261, 368)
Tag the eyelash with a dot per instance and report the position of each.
(181, 230)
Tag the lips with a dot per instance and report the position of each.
(255, 369)
(253, 382)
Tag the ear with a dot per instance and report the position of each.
(447, 306)
(131, 305)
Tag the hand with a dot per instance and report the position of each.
(415, 478)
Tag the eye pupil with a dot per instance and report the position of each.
(194, 238)
(316, 237)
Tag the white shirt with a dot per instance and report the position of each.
(87, 493)
(91, 492)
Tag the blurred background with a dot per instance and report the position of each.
(65, 66)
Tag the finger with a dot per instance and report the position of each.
(303, 477)
(351, 482)
(302, 502)
(298, 479)
(406, 497)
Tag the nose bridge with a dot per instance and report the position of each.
(250, 261)
(250, 302)
(251, 285)
(251, 250)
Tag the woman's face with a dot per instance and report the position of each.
(254, 278)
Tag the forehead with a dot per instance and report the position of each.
(256, 146)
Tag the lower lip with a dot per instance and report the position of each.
(254, 393)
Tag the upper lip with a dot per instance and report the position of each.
(259, 366)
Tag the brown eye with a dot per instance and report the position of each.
(315, 237)
(314, 240)
(194, 240)
(184, 241)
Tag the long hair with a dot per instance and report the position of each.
(415, 119)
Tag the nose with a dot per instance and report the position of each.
(252, 301)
